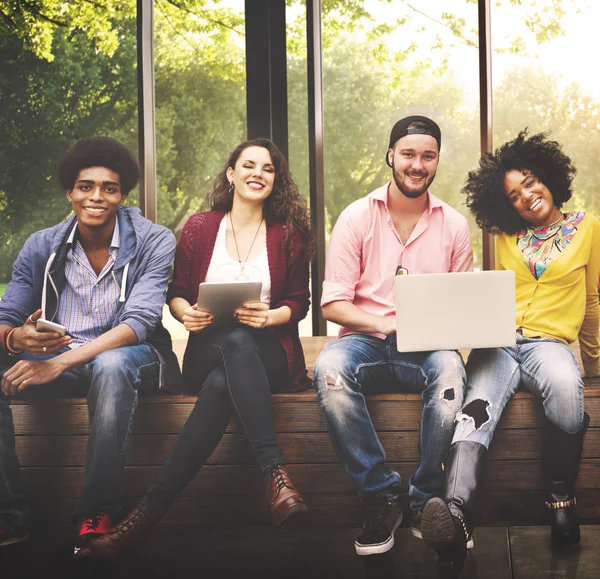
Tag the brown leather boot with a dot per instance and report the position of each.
(282, 495)
(123, 539)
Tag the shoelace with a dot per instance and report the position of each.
(128, 525)
(280, 479)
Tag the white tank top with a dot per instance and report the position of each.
(224, 268)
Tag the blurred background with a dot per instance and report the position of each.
(69, 70)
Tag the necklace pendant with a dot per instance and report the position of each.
(242, 277)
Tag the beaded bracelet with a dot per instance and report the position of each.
(8, 347)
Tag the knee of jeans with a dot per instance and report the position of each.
(332, 383)
(331, 371)
(449, 390)
(472, 417)
(112, 362)
(113, 372)
(239, 338)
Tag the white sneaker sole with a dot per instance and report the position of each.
(378, 548)
(417, 533)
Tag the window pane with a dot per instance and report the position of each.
(200, 75)
(67, 73)
(298, 113)
(544, 80)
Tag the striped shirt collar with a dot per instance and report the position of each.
(114, 242)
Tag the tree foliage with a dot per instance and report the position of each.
(69, 71)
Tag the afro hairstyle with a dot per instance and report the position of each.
(536, 155)
(99, 152)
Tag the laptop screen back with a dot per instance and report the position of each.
(450, 311)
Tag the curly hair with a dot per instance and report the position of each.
(536, 155)
(99, 152)
(284, 204)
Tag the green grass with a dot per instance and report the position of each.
(2, 288)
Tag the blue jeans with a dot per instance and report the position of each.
(544, 366)
(112, 381)
(356, 365)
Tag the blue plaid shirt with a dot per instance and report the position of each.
(88, 303)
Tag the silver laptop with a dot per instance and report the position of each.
(450, 311)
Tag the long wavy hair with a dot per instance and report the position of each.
(534, 154)
(284, 205)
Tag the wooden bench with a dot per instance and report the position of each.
(51, 439)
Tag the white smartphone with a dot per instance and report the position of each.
(47, 326)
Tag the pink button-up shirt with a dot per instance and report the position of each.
(365, 250)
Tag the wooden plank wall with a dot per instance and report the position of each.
(51, 439)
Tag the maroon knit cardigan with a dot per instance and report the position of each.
(289, 281)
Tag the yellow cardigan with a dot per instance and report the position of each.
(563, 302)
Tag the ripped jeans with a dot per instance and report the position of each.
(358, 364)
(544, 366)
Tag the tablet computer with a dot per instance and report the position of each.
(221, 299)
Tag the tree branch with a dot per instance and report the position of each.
(96, 4)
(36, 11)
(203, 15)
(177, 32)
(466, 40)
(7, 18)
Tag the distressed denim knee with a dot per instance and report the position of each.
(333, 378)
(446, 379)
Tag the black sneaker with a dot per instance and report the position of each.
(384, 515)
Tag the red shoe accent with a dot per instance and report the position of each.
(95, 526)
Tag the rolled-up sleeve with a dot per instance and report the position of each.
(462, 252)
(343, 265)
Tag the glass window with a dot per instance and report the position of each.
(200, 76)
(544, 80)
(297, 85)
(68, 72)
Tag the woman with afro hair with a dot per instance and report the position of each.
(517, 193)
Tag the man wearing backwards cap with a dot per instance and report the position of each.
(400, 226)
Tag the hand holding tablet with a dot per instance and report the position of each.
(253, 314)
(222, 299)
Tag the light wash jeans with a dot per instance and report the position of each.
(356, 365)
(112, 381)
(544, 366)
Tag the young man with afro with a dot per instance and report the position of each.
(102, 275)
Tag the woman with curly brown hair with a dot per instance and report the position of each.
(258, 229)
(517, 193)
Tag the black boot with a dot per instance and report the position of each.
(448, 522)
(561, 459)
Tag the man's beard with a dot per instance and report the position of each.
(411, 193)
